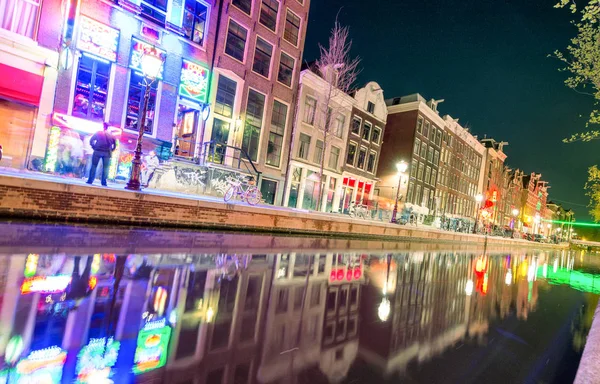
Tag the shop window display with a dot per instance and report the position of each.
(91, 88)
(135, 98)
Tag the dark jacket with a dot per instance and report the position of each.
(103, 142)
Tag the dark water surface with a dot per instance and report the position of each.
(102, 305)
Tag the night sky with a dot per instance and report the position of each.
(489, 61)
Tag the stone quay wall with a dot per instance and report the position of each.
(29, 198)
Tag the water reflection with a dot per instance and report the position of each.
(285, 317)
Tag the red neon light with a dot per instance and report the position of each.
(349, 275)
(357, 273)
(332, 275)
(340, 274)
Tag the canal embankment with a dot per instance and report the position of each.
(66, 201)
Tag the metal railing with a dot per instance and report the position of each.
(229, 156)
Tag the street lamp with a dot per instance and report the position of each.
(151, 64)
(402, 167)
(478, 199)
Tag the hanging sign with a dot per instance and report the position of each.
(194, 81)
(98, 39)
(139, 49)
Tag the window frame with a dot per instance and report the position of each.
(360, 123)
(300, 142)
(281, 53)
(282, 134)
(337, 163)
(249, 13)
(374, 154)
(156, 110)
(260, 133)
(355, 145)
(270, 66)
(297, 43)
(214, 109)
(245, 53)
(322, 147)
(306, 109)
(366, 151)
(376, 128)
(368, 139)
(206, 22)
(260, 13)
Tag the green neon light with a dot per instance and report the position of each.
(581, 281)
(581, 224)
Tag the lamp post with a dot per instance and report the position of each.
(402, 167)
(478, 199)
(151, 66)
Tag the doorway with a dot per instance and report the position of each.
(186, 131)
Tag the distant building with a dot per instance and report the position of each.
(413, 133)
(310, 145)
(459, 174)
(364, 145)
(493, 181)
(533, 202)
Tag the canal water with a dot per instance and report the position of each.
(128, 305)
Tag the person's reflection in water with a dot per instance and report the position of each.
(80, 283)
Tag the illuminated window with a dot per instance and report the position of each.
(236, 41)
(356, 122)
(371, 162)
(244, 5)
(376, 135)
(351, 154)
(292, 27)
(286, 69)
(91, 88)
(362, 155)
(19, 16)
(225, 96)
(194, 20)
(268, 13)
(278, 122)
(134, 101)
(366, 135)
(254, 118)
(155, 10)
(262, 57)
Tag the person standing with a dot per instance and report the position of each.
(103, 144)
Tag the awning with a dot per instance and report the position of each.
(20, 85)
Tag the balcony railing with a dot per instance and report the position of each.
(228, 156)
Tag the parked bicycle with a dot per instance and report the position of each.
(245, 190)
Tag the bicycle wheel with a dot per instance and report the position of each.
(253, 196)
(230, 193)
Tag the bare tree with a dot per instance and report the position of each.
(340, 71)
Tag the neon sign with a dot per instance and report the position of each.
(45, 284)
(42, 366)
(152, 347)
(194, 81)
(31, 265)
(98, 39)
(96, 360)
(139, 49)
